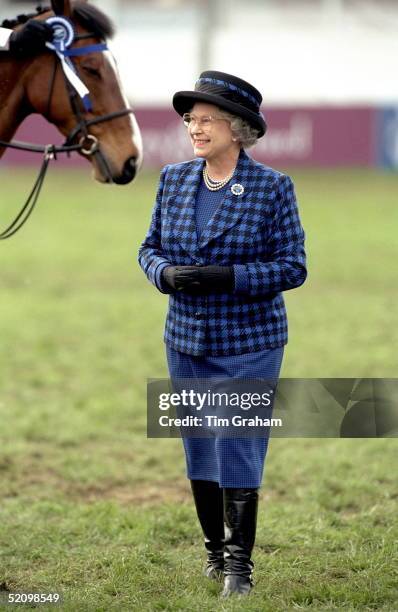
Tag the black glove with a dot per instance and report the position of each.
(200, 280)
(177, 277)
(211, 279)
(31, 39)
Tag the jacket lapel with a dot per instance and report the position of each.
(233, 206)
(185, 226)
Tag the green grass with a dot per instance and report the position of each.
(91, 507)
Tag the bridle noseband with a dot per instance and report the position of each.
(87, 144)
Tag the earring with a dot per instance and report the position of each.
(234, 139)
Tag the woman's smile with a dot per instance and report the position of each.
(200, 142)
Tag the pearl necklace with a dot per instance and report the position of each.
(215, 185)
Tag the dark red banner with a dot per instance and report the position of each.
(313, 137)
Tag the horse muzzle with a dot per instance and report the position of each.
(105, 172)
(128, 174)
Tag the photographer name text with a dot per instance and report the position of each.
(214, 421)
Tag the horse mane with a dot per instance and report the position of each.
(21, 19)
(86, 15)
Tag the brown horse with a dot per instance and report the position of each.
(109, 133)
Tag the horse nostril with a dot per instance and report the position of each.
(130, 167)
(129, 172)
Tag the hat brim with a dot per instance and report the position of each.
(183, 101)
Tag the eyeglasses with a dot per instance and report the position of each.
(204, 122)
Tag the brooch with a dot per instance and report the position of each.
(237, 189)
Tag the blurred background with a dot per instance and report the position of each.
(82, 328)
(325, 68)
(326, 71)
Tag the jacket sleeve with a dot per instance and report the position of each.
(150, 255)
(286, 267)
(5, 34)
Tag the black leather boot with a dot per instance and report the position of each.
(209, 506)
(240, 517)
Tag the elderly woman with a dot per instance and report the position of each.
(225, 240)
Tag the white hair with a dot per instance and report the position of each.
(241, 129)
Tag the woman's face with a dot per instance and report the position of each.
(211, 136)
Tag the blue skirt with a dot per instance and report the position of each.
(232, 462)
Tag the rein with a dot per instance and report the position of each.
(87, 145)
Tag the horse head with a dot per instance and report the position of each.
(107, 129)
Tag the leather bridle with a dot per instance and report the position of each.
(87, 144)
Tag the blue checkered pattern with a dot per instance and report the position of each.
(258, 232)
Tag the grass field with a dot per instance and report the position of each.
(93, 509)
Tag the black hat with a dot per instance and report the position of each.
(229, 93)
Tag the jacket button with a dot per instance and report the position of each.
(198, 315)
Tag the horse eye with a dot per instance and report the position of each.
(92, 71)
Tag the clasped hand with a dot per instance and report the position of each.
(199, 279)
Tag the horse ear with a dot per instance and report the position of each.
(61, 7)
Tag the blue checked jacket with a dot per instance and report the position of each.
(258, 232)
